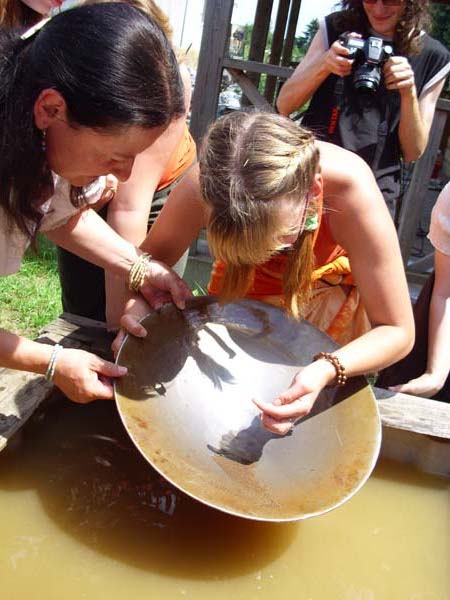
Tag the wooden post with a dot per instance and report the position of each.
(259, 35)
(290, 35)
(277, 46)
(214, 45)
(413, 201)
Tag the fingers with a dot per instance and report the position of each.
(118, 340)
(102, 389)
(276, 426)
(398, 74)
(180, 293)
(130, 323)
(421, 386)
(298, 408)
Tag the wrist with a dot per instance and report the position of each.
(325, 372)
(408, 93)
(438, 377)
(138, 271)
(336, 376)
(50, 371)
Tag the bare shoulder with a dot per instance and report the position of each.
(348, 180)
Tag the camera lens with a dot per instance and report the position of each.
(367, 78)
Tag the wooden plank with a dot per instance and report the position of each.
(213, 47)
(277, 46)
(257, 67)
(413, 201)
(250, 90)
(412, 413)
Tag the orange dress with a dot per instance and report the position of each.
(335, 306)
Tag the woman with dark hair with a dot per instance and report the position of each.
(81, 96)
(134, 206)
(386, 125)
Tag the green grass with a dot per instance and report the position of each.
(31, 298)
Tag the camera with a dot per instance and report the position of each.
(370, 54)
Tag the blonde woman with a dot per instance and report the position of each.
(286, 216)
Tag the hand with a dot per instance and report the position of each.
(162, 285)
(398, 75)
(84, 377)
(298, 400)
(426, 386)
(135, 309)
(336, 59)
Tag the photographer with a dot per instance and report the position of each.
(382, 125)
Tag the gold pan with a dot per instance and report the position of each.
(187, 404)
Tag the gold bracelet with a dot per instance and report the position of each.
(138, 271)
(341, 377)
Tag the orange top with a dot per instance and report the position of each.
(182, 157)
(331, 262)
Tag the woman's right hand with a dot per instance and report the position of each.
(336, 60)
(426, 386)
(84, 377)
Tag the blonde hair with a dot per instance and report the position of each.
(249, 163)
(151, 9)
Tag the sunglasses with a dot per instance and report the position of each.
(384, 2)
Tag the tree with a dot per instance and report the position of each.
(304, 41)
(440, 17)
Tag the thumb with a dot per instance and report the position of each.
(294, 391)
(108, 369)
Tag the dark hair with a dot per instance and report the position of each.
(114, 68)
(407, 38)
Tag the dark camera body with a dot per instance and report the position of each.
(370, 54)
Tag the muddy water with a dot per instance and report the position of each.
(84, 517)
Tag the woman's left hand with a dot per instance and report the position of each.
(162, 285)
(398, 74)
(297, 401)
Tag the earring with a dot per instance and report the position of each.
(44, 140)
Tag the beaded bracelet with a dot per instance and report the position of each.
(138, 271)
(52, 362)
(341, 377)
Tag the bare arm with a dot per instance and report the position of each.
(88, 236)
(438, 362)
(177, 226)
(416, 115)
(128, 212)
(361, 224)
(179, 222)
(80, 375)
(317, 65)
